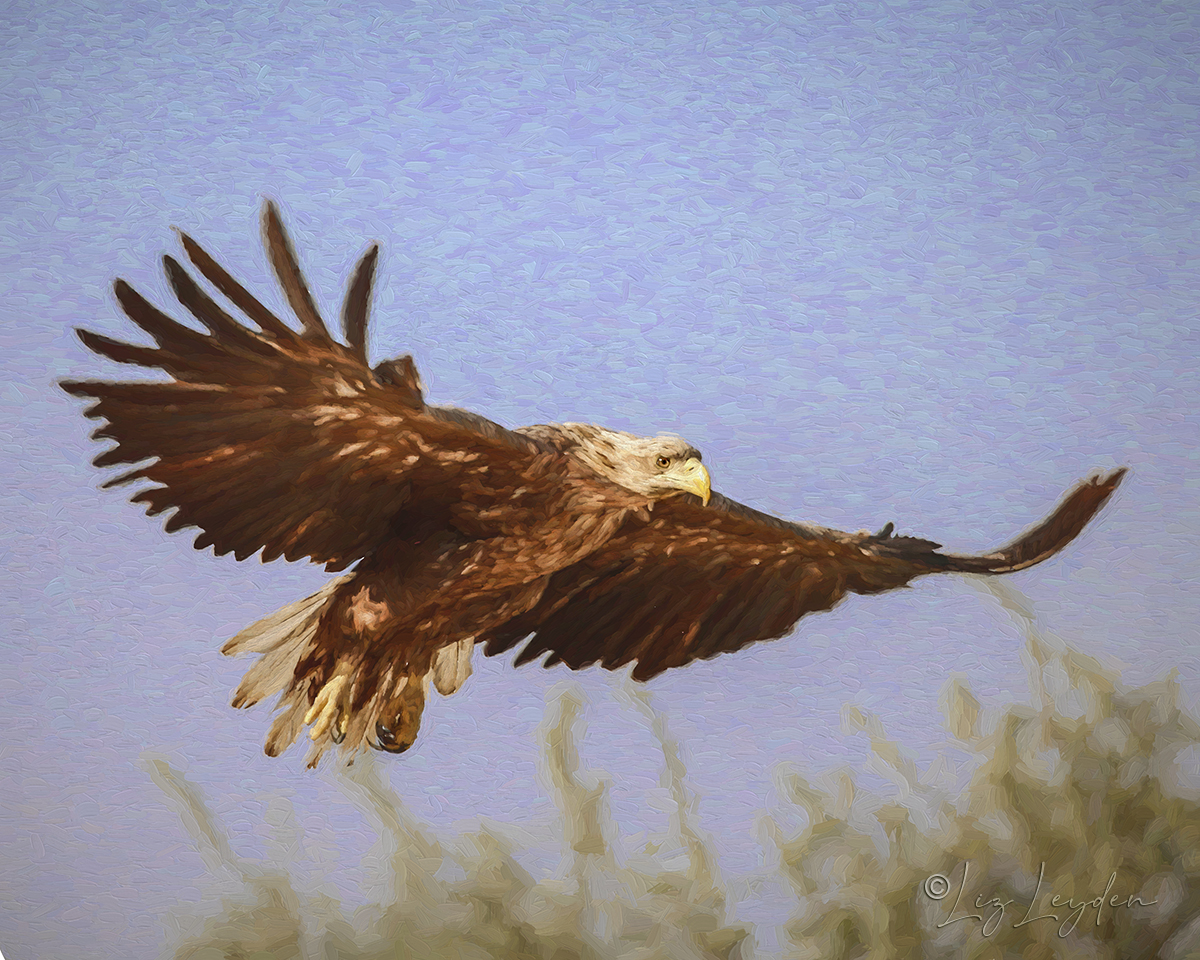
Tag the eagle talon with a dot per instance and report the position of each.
(566, 547)
(327, 714)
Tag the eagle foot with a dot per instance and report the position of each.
(328, 712)
(399, 718)
(387, 741)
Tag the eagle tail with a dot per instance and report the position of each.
(1032, 547)
(452, 666)
(282, 638)
(389, 721)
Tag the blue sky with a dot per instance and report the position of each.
(928, 263)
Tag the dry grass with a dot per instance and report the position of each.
(1080, 786)
(599, 908)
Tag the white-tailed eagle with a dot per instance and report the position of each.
(590, 545)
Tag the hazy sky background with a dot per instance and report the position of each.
(928, 263)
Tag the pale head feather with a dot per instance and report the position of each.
(633, 462)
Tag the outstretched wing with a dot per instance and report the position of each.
(287, 441)
(697, 581)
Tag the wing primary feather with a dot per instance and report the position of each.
(1049, 536)
(287, 271)
(358, 304)
(270, 438)
(204, 309)
(238, 295)
(166, 332)
(124, 352)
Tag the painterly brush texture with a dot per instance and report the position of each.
(599, 904)
(921, 262)
(595, 545)
(1077, 834)
(1079, 786)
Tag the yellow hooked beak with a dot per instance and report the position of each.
(693, 478)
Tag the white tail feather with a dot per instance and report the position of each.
(452, 666)
(285, 636)
(282, 638)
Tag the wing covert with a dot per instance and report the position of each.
(696, 582)
(689, 585)
(281, 440)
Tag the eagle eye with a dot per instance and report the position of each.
(663, 462)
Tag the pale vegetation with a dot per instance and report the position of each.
(1088, 780)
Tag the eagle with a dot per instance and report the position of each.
(448, 530)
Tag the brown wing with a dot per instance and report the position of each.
(288, 442)
(697, 582)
